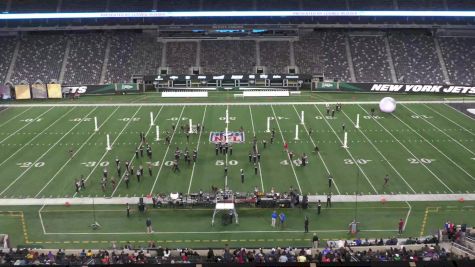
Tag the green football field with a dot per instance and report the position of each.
(424, 148)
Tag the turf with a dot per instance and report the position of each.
(173, 228)
(424, 148)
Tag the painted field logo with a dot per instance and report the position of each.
(233, 137)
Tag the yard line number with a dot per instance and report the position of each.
(81, 119)
(32, 120)
(231, 162)
(28, 164)
(359, 161)
(421, 116)
(421, 160)
(296, 162)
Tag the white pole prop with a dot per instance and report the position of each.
(345, 140)
(296, 132)
(95, 124)
(151, 118)
(191, 130)
(301, 119)
(226, 135)
(357, 126)
(108, 143)
(227, 116)
(268, 125)
(157, 130)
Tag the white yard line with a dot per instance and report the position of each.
(197, 150)
(41, 219)
(166, 152)
(14, 117)
(410, 152)
(21, 128)
(259, 163)
(36, 136)
(456, 141)
(288, 156)
(468, 131)
(112, 144)
(221, 232)
(347, 150)
(231, 104)
(407, 216)
(226, 156)
(380, 153)
(427, 141)
(77, 151)
(51, 147)
(133, 156)
(319, 154)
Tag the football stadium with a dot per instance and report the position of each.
(252, 132)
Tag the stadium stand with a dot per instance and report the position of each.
(324, 5)
(29, 6)
(371, 5)
(121, 57)
(458, 55)
(461, 5)
(278, 5)
(335, 61)
(220, 57)
(179, 6)
(7, 48)
(40, 57)
(83, 5)
(147, 57)
(415, 58)
(214, 5)
(414, 54)
(370, 59)
(86, 58)
(421, 5)
(159, 255)
(131, 5)
(181, 56)
(275, 55)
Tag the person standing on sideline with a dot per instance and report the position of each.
(315, 240)
(329, 200)
(386, 180)
(128, 209)
(255, 168)
(274, 218)
(319, 207)
(148, 223)
(306, 224)
(282, 219)
(400, 226)
(330, 181)
(242, 176)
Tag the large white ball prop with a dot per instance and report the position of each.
(387, 105)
